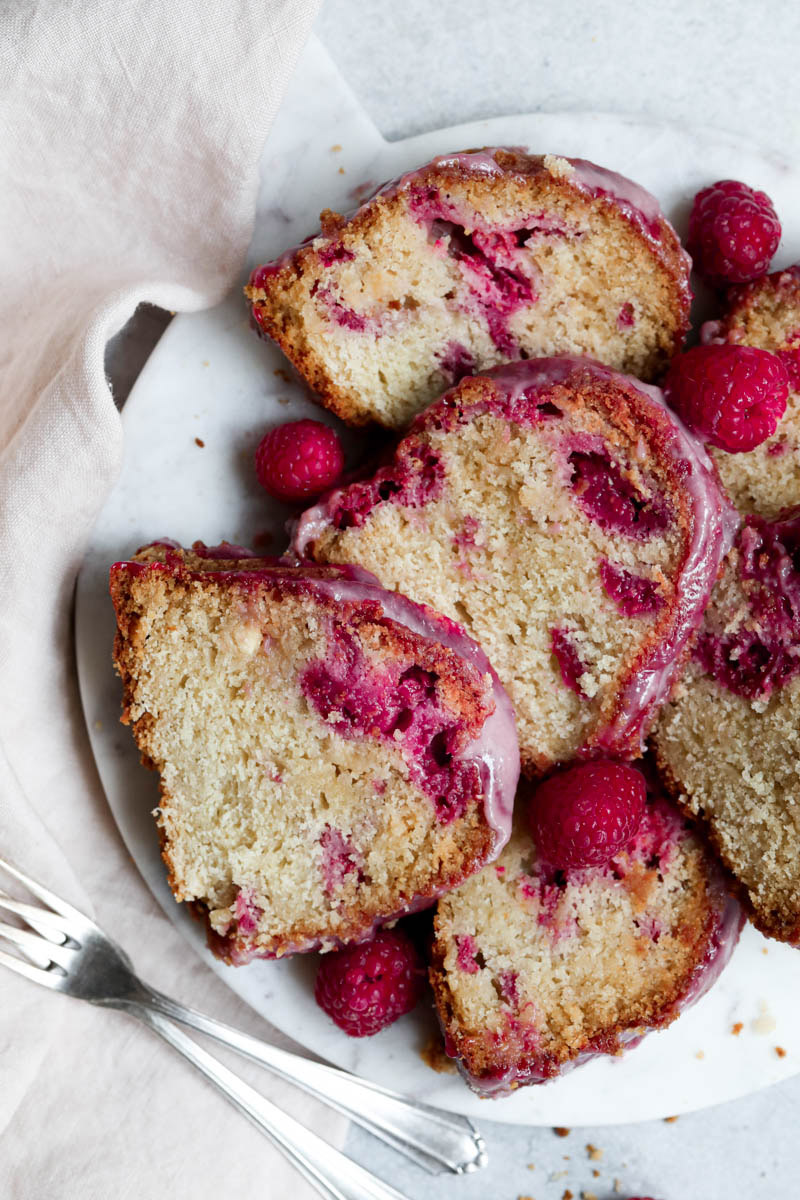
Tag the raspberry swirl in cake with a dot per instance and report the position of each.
(472, 260)
(565, 516)
(331, 755)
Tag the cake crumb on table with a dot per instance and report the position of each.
(531, 1166)
(595, 1154)
(433, 1055)
(700, 1054)
(596, 1173)
(670, 1120)
(283, 374)
(567, 1195)
(341, 170)
(561, 1131)
(781, 1053)
(737, 1028)
(199, 442)
(335, 148)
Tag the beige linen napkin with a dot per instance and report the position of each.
(130, 135)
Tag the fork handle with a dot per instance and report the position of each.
(333, 1174)
(437, 1140)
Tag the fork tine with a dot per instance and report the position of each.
(44, 894)
(62, 955)
(48, 978)
(35, 916)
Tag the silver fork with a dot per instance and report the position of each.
(67, 952)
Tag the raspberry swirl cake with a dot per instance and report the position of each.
(728, 744)
(765, 314)
(472, 260)
(536, 970)
(331, 755)
(566, 518)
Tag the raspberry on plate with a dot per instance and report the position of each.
(733, 233)
(364, 988)
(583, 816)
(731, 396)
(298, 460)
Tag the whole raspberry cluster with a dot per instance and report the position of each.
(298, 460)
(583, 816)
(733, 233)
(364, 988)
(731, 396)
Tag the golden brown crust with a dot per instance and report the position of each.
(277, 315)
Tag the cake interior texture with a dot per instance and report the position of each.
(474, 260)
(554, 524)
(535, 969)
(766, 314)
(728, 743)
(314, 755)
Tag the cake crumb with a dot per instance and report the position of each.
(670, 1120)
(561, 1131)
(595, 1173)
(341, 170)
(335, 148)
(737, 1028)
(284, 400)
(700, 1054)
(282, 374)
(588, 1196)
(433, 1055)
(199, 442)
(531, 1166)
(595, 1154)
(764, 950)
(567, 1195)
(205, 363)
(764, 1022)
(781, 1053)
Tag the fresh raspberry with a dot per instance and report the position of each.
(298, 460)
(584, 815)
(365, 988)
(733, 233)
(731, 396)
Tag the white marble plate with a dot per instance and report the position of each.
(210, 378)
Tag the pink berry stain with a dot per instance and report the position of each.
(339, 858)
(412, 481)
(401, 709)
(246, 911)
(763, 653)
(626, 318)
(568, 659)
(606, 496)
(455, 362)
(499, 276)
(467, 954)
(633, 595)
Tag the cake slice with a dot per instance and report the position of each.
(472, 260)
(331, 755)
(564, 516)
(536, 970)
(728, 744)
(765, 314)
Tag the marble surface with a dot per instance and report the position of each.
(732, 70)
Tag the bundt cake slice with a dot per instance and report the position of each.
(565, 517)
(728, 744)
(765, 314)
(331, 755)
(536, 970)
(472, 260)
